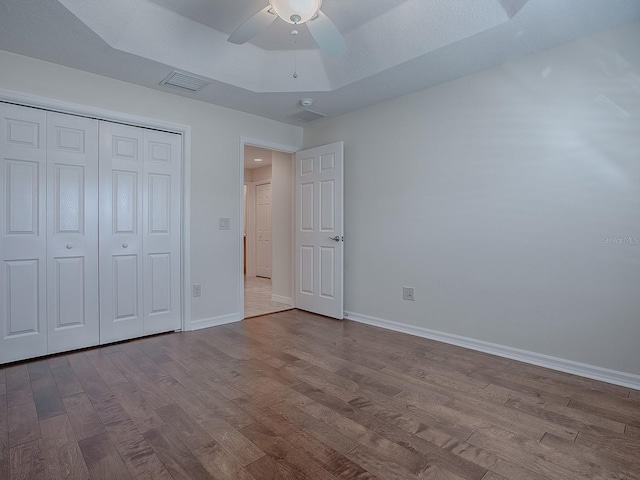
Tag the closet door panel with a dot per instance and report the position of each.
(21, 300)
(72, 232)
(125, 287)
(23, 247)
(121, 272)
(161, 227)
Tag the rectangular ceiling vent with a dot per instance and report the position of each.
(307, 116)
(185, 81)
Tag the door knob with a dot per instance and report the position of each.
(69, 246)
(125, 245)
(335, 239)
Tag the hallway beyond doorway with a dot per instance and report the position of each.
(257, 298)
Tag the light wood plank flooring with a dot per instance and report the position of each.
(257, 298)
(296, 396)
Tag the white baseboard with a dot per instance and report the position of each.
(215, 321)
(568, 366)
(280, 299)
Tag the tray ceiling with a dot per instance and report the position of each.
(394, 46)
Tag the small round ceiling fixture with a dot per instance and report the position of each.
(306, 102)
(296, 11)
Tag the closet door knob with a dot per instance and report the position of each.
(125, 245)
(69, 246)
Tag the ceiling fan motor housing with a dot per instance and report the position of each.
(296, 11)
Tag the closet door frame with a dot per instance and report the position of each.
(59, 106)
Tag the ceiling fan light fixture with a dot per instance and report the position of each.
(296, 11)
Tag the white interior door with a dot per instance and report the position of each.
(72, 232)
(121, 271)
(263, 230)
(319, 230)
(23, 246)
(161, 227)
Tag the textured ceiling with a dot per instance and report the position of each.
(394, 46)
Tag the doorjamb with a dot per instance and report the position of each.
(60, 106)
(244, 141)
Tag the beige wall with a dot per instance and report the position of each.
(509, 199)
(261, 174)
(257, 174)
(215, 183)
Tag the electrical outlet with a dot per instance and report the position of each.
(197, 290)
(407, 293)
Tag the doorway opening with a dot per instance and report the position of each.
(268, 230)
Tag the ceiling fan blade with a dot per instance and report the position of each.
(326, 34)
(253, 26)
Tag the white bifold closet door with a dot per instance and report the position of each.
(24, 233)
(139, 232)
(48, 221)
(89, 232)
(72, 232)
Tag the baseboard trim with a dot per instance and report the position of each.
(568, 366)
(280, 299)
(215, 321)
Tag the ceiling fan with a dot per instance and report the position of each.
(296, 12)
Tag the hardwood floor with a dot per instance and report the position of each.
(297, 396)
(257, 298)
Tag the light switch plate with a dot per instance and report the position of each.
(224, 223)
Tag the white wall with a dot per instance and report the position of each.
(282, 223)
(500, 197)
(215, 182)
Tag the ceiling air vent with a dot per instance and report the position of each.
(307, 115)
(185, 81)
